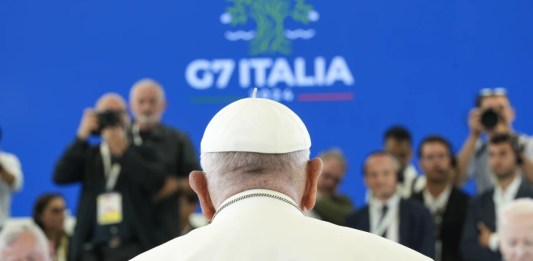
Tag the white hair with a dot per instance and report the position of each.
(13, 231)
(334, 153)
(147, 82)
(519, 207)
(247, 165)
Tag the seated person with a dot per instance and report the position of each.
(330, 205)
(49, 215)
(387, 214)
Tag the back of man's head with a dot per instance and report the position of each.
(255, 144)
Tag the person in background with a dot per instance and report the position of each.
(188, 204)
(389, 215)
(515, 230)
(49, 214)
(447, 204)
(23, 242)
(480, 240)
(173, 147)
(115, 219)
(10, 181)
(398, 141)
(492, 115)
(331, 206)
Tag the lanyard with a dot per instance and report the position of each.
(111, 170)
(379, 229)
(136, 133)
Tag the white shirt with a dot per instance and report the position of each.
(263, 228)
(391, 221)
(479, 168)
(437, 204)
(11, 163)
(501, 199)
(437, 207)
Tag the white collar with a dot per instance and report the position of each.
(392, 202)
(511, 191)
(438, 203)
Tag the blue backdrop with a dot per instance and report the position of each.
(349, 68)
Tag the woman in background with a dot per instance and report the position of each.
(49, 215)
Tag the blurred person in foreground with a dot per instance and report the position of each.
(515, 230)
(10, 181)
(49, 214)
(174, 150)
(23, 242)
(330, 205)
(115, 217)
(257, 181)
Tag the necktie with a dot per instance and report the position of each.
(384, 210)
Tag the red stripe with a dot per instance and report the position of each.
(311, 97)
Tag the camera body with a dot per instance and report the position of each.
(490, 118)
(106, 119)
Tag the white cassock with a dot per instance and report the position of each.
(273, 228)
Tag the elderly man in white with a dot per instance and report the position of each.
(256, 182)
(21, 241)
(516, 230)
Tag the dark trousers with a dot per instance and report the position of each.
(122, 253)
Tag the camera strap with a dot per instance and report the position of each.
(111, 170)
(136, 134)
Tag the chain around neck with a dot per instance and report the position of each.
(255, 195)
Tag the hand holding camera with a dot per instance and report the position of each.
(89, 123)
(487, 120)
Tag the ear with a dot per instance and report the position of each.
(512, 115)
(313, 171)
(198, 183)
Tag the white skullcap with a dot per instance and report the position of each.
(255, 125)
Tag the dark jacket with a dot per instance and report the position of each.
(178, 158)
(140, 177)
(483, 209)
(416, 226)
(452, 224)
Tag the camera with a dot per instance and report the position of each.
(490, 118)
(108, 118)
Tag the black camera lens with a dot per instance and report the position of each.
(490, 118)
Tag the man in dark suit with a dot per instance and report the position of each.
(479, 240)
(406, 222)
(447, 204)
(115, 218)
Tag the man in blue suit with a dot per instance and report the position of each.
(479, 240)
(387, 214)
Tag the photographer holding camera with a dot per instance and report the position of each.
(115, 218)
(493, 115)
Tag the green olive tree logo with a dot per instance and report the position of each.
(270, 35)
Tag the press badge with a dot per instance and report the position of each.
(109, 208)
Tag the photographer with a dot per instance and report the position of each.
(10, 181)
(115, 218)
(493, 115)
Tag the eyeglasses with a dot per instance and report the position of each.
(493, 92)
(58, 210)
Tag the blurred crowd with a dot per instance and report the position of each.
(135, 194)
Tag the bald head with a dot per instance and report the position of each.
(147, 101)
(111, 101)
